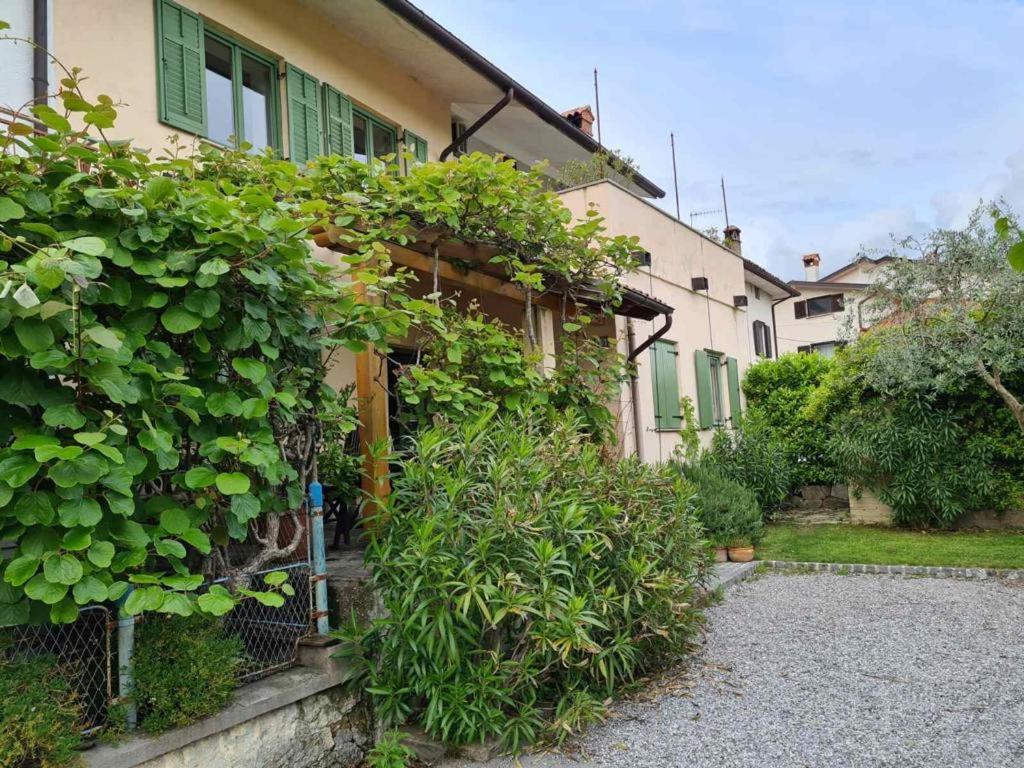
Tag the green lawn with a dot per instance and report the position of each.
(885, 546)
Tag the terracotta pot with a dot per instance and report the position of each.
(721, 554)
(741, 554)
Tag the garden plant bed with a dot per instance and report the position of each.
(886, 546)
(817, 669)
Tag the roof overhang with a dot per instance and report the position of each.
(812, 284)
(762, 278)
(528, 129)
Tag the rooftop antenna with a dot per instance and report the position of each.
(725, 205)
(597, 109)
(675, 174)
(705, 212)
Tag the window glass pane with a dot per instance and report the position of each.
(257, 104)
(383, 140)
(819, 305)
(220, 105)
(359, 137)
(716, 390)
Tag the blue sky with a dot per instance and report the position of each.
(835, 123)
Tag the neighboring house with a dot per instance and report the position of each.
(828, 309)
(721, 306)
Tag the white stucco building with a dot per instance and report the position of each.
(829, 309)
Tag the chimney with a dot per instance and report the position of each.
(582, 118)
(811, 262)
(732, 239)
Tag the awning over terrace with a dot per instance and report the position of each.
(471, 264)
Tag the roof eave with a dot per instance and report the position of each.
(422, 22)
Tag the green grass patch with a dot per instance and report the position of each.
(887, 546)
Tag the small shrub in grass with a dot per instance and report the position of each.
(752, 457)
(185, 670)
(40, 718)
(526, 576)
(728, 510)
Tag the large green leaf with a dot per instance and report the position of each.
(34, 334)
(10, 210)
(203, 302)
(39, 588)
(63, 569)
(21, 569)
(200, 477)
(253, 370)
(179, 320)
(89, 590)
(101, 553)
(18, 469)
(91, 246)
(231, 483)
(218, 601)
(175, 520)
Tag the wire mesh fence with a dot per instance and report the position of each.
(270, 635)
(82, 653)
(85, 651)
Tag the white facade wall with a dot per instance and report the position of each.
(759, 307)
(701, 319)
(16, 57)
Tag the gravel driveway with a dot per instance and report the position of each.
(823, 670)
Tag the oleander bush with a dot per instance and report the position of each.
(185, 669)
(526, 576)
(727, 509)
(40, 717)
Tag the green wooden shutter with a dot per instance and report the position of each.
(666, 385)
(181, 63)
(338, 122)
(303, 115)
(733, 372)
(705, 404)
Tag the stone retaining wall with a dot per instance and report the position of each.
(867, 509)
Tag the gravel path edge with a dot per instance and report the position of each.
(935, 571)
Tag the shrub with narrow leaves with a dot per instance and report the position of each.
(526, 576)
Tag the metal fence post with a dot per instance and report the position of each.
(125, 650)
(319, 547)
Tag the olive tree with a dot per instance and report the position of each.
(954, 302)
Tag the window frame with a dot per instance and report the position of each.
(715, 360)
(239, 49)
(837, 303)
(372, 120)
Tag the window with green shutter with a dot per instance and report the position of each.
(211, 85)
(416, 146)
(303, 115)
(732, 368)
(665, 381)
(180, 67)
(372, 137)
(710, 401)
(337, 122)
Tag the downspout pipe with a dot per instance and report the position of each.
(651, 339)
(634, 384)
(486, 118)
(775, 327)
(41, 43)
(634, 392)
